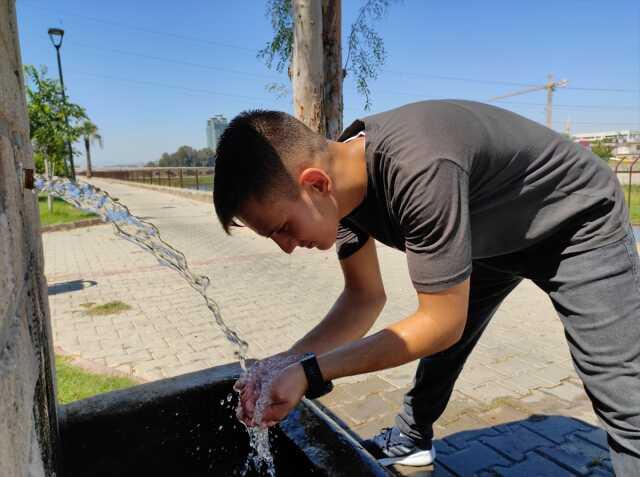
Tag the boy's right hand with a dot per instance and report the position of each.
(255, 382)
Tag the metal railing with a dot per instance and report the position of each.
(198, 178)
(201, 178)
(626, 173)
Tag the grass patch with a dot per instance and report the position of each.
(634, 207)
(63, 213)
(188, 182)
(75, 383)
(110, 308)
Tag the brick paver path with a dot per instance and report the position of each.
(520, 367)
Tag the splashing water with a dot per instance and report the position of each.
(264, 373)
(146, 235)
(142, 233)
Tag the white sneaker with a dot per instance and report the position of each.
(393, 447)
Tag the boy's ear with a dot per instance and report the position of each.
(316, 178)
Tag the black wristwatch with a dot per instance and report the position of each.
(317, 385)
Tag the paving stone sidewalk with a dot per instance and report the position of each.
(521, 366)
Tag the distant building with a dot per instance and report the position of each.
(624, 144)
(215, 126)
(616, 137)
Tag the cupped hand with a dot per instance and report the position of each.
(251, 383)
(284, 394)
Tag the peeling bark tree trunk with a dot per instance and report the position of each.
(333, 73)
(307, 64)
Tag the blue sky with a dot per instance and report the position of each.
(150, 73)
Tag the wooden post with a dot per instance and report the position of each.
(181, 181)
(197, 182)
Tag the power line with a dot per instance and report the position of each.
(253, 98)
(269, 100)
(607, 90)
(456, 78)
(187, 89)
(164, 85)
(506, 83)
(273, 77)
(255, 75)
(254, 50)
(574, 106)
(565, 106)
(144, 30)
(174, 61)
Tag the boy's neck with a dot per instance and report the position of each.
(348, 170)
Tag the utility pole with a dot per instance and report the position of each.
(567, 127)
(550, 86)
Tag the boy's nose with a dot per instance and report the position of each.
(287, 245)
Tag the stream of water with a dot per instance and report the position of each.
(146, 235)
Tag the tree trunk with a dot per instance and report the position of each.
(333, 73)
(87, 146)
(307, 64)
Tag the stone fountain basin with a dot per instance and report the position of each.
(178, 427)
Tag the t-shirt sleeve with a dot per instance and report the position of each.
(349, 239)
(432, 204)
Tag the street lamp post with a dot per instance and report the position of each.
(56, 35)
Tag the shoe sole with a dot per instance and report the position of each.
(417, 459)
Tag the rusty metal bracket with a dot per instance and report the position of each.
(28, 179)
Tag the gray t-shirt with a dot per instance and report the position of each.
(452, 181)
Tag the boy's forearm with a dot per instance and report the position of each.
(414, 337)
(350, 318)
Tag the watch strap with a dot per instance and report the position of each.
(317, 385)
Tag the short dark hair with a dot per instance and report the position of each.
(253, 159)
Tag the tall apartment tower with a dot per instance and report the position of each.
(215, 126)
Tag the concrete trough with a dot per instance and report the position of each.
(178, 426)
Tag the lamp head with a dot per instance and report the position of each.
(56, 35)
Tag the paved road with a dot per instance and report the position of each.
(521, 365)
